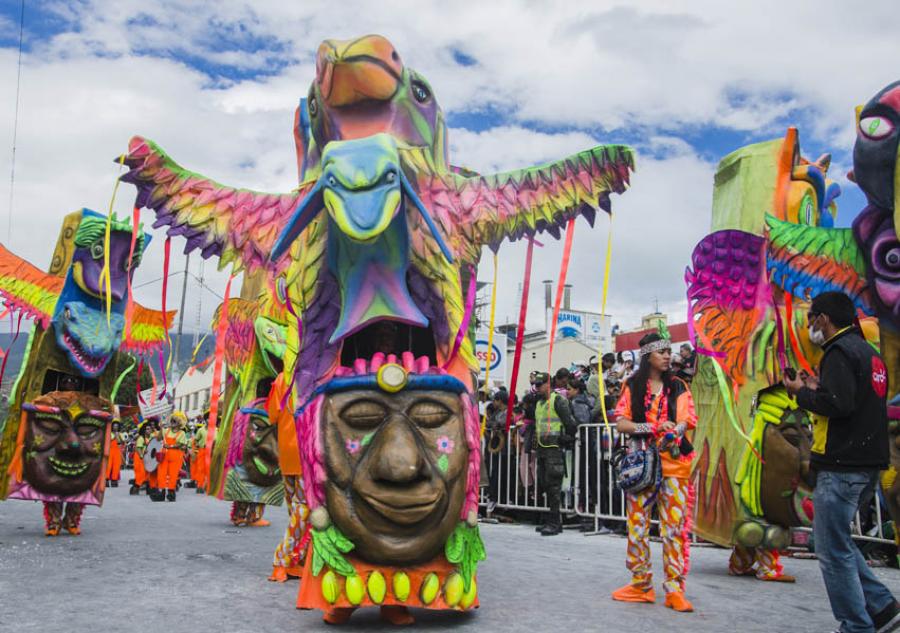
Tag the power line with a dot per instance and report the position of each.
(12, 170)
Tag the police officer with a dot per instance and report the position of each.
(554, 431)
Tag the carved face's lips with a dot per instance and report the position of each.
(91, 364)
(403, 507)
(66, 468)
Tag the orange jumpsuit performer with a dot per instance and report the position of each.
(140, 446)
(199, 459)
(658, 406)
(290, 552)
(114, 469)
(176, 442)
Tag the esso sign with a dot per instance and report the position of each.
(484, 357)
(493, 356)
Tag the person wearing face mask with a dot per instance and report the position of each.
(850, 447)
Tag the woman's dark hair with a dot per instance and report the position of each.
(637, 384)
(577, 384)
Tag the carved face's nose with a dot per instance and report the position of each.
(397, 458)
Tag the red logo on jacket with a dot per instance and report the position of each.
(879, 377)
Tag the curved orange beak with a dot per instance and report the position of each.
(350, 71)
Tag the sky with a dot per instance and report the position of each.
(521, 83)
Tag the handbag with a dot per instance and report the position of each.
(637, 465)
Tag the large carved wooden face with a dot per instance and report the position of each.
(784, 492)
(397, 466)
(260, 454)
(64, 438)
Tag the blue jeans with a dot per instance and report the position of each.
(854, 592)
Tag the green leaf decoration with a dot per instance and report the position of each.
(443, 463)
(465, 549)
(329, 547)
(367, 438)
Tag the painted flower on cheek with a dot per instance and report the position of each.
(445, 445)
(353, 446)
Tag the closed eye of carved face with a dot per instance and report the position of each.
(48, 424)
(429, 413)
(364, 414)
(88, 428)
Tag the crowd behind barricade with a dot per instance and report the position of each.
(511, 458)
(511, 487)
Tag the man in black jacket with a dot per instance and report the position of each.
(850, 447)
(554, 431)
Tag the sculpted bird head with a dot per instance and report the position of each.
(363, 88)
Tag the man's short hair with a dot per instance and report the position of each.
(836, 306)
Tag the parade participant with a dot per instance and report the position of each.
(554, 431)
(850, 447)
(175, 441)
(145, 431)
(751, 481)
(53, 445)
(657, 405)
(153, 490)
(116, 444)
(371, 138)
(199, 458)
(64, 465)
(289, 554)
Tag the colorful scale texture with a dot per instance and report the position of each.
(726, 288)
(807, 260)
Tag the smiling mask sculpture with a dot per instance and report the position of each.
(244, 467)
(370, 252)
(71, 350)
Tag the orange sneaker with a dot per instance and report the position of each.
(260, 523)
(294, 572)
(279, 574)
(51, 531)
(74, 531)
(397, 615)
(779, 578)
(630, 593)
(338, 615)
(678, 602)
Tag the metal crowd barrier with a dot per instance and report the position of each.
(589, 490)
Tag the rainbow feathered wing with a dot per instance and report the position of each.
(34, 293)
(808, 260)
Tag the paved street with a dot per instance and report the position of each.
(182, 568)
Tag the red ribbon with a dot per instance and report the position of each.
(217, 368)
(520, 331)
(165, 287)
(792, 336)
(560, 287)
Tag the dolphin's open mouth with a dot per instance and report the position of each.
(92, 364)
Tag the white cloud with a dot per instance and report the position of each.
(572, 67)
